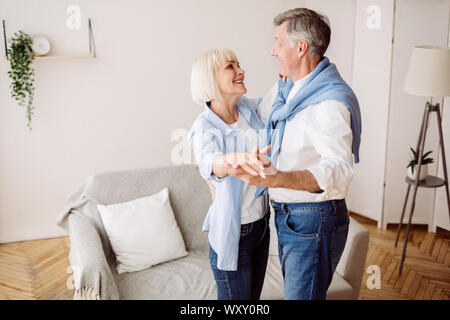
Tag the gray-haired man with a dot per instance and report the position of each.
(313, 124)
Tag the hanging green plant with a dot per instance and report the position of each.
(22, 74)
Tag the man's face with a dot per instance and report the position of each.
(287, 56)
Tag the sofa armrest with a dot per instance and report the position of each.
(92, 274)
(353, 259)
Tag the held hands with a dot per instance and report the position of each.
(252, 167)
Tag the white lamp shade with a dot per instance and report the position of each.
(429, 72)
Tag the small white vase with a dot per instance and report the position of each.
(423, 172)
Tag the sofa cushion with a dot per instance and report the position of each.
(339, 289)
(273, 284)
(188, 278)
(191, 278)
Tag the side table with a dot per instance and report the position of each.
(430, 182)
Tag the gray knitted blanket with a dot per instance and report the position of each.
(91, 257)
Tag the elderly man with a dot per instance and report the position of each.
(313, 125)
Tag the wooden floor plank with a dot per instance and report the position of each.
(393, 266)
(408, 281)
(443, 252)
(436, 248)
(421, 289)
(414, 286)
(437, 294)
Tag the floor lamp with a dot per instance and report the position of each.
(428, 75)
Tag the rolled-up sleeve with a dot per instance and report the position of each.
(205, 146)
(331, 135)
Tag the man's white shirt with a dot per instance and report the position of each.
(318, 139)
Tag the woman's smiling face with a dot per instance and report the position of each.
(230, 79)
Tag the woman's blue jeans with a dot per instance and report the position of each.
(247, 281)
(311, 239)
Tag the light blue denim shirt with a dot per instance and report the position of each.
(208, 137)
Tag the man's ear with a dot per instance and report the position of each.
(302, 47)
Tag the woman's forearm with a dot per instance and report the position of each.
(219, 168)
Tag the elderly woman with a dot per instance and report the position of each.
(237, 221)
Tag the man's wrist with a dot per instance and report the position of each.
(277, 179)
(296, 180)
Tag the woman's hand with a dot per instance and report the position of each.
(255, 163)
(249, 161)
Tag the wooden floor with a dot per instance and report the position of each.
(426, 270)
(40, 269)
(35, 269)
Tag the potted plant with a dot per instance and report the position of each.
(22, 75)
(423, 168)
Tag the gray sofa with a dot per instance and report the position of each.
(93, 260)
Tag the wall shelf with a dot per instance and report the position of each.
(60, 57)
(91, 54)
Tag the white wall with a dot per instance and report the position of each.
(342, 20)
(441, 210)
(117, 111)
(371, 83)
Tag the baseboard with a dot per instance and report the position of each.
(32, 234)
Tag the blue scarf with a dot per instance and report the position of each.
(324, 83)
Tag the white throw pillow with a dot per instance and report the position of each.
(143, 232)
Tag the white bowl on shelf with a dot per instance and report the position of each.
(423, 172)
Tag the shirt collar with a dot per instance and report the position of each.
(220, 124)
(297, 85)
(244, 110)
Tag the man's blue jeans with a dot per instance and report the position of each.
(311, 239)
(246, 283)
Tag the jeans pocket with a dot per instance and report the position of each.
(338, 241)
(303, 224)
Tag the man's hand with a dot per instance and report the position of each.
(251, 162)
(269, 168)
(238, 172)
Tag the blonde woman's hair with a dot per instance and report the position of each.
(204, 86)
